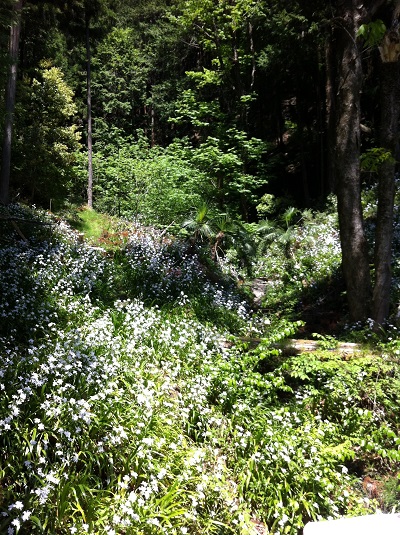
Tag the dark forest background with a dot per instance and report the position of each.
(158, 110)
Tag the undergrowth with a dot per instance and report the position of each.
(139, 396)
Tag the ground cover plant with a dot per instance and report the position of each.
(134, 401)
(301, 268)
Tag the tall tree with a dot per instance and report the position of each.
(89, 111)
(349, 16)
(45, 137)
(388, 139)
(10, 102)
(120, 77)
(77, 21)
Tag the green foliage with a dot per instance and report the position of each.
(391, 494)
(230, 242)
(161, 186)
(204, 77)
(372, 159)
(187, 69)
(372, 33)
(210, 431)
(295, 457)
(120, 73)
(232, 234)
(45, 137)
(281, 231)
(195, 112)
(266, 205)
(199, 227)
(150, 185)
(325, 341)
(225, 162)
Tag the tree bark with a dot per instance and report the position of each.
(10, 103)
(388, 138)
(330, 114)
(89, 117)
(348, 83)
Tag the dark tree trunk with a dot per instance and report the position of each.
(10, 103)
(347, 160)
(388, 138)
(330, 114)
(89, 117)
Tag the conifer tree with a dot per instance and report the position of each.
(15, 30)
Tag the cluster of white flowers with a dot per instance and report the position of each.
(165, 271)
(85, 385)
(120, 416)
(315, 253)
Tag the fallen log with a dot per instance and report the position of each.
(297, 346)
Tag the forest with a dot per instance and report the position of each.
(199, 265)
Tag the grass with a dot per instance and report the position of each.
(97, 228)
(89, 222)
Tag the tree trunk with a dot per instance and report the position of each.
(89, 118)
(330, 114)
(153, 126)
(388, 138)
(253, 55)
(347, 161)
(10, 103)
